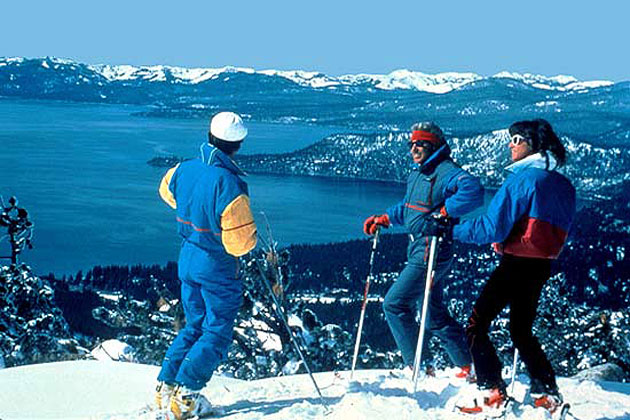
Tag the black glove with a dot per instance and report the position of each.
(440, 226)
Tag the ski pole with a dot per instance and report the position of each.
(272, 247)
(425, 307)
(514, 367)
(283, 319)
(364, 304)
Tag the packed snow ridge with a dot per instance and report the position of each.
(124, 391)
(398, 79)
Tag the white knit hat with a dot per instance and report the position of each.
(228, 126)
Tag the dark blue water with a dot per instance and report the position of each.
(81, 171)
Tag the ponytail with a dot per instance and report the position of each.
(549, 141)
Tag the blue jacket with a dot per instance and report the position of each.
(529, 216)
(438, 185)
(213, 210)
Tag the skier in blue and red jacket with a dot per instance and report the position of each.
(528, 221)
(436, 186)
(216, 224)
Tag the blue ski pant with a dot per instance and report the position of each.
(404, 300)
(211, 304)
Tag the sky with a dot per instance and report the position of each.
(548, 37)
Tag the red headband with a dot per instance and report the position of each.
(420, 135)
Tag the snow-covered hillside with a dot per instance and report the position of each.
(385, 157)
(110, 390)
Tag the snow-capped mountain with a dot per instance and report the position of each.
(466, 103)
(560, 82)
(396, 80)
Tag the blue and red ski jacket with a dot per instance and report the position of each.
(529, 216)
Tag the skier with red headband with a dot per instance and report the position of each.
(438, 193)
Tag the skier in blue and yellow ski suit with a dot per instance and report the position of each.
(216, 223)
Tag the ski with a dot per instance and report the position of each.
(149, 413)
(270, 257)
(144, 413)
(511, 406)
(275, 260)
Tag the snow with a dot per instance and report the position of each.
(269, 340)
(559, 82)
(438, 83)
(111, 390)
(546, 103)
(399, 79)
(305, 78)
(113, 350)
(406, 79)
(110, 296)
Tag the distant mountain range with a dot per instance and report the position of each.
(465, 103)
(396, 80)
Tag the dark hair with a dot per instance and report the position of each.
(541, 137)
(227, 147)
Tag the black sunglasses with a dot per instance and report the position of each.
(420, 144)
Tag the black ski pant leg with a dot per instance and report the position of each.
(528, 284)
(493, 298)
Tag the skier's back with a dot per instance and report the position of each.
(216, 223)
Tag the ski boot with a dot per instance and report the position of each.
(186, 403)
(163, 394)
(466, 373)
(489, 402)
(550, 402)
(545, 394)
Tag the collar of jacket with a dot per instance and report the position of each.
(537, 160)
(434, 160)
(210, 155)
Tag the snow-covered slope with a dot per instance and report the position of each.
(110, 390)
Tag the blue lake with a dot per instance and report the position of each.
(81, 171)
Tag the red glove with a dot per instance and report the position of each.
(374, 222)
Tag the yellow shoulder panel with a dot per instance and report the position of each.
(238, 230)
(165, 193)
